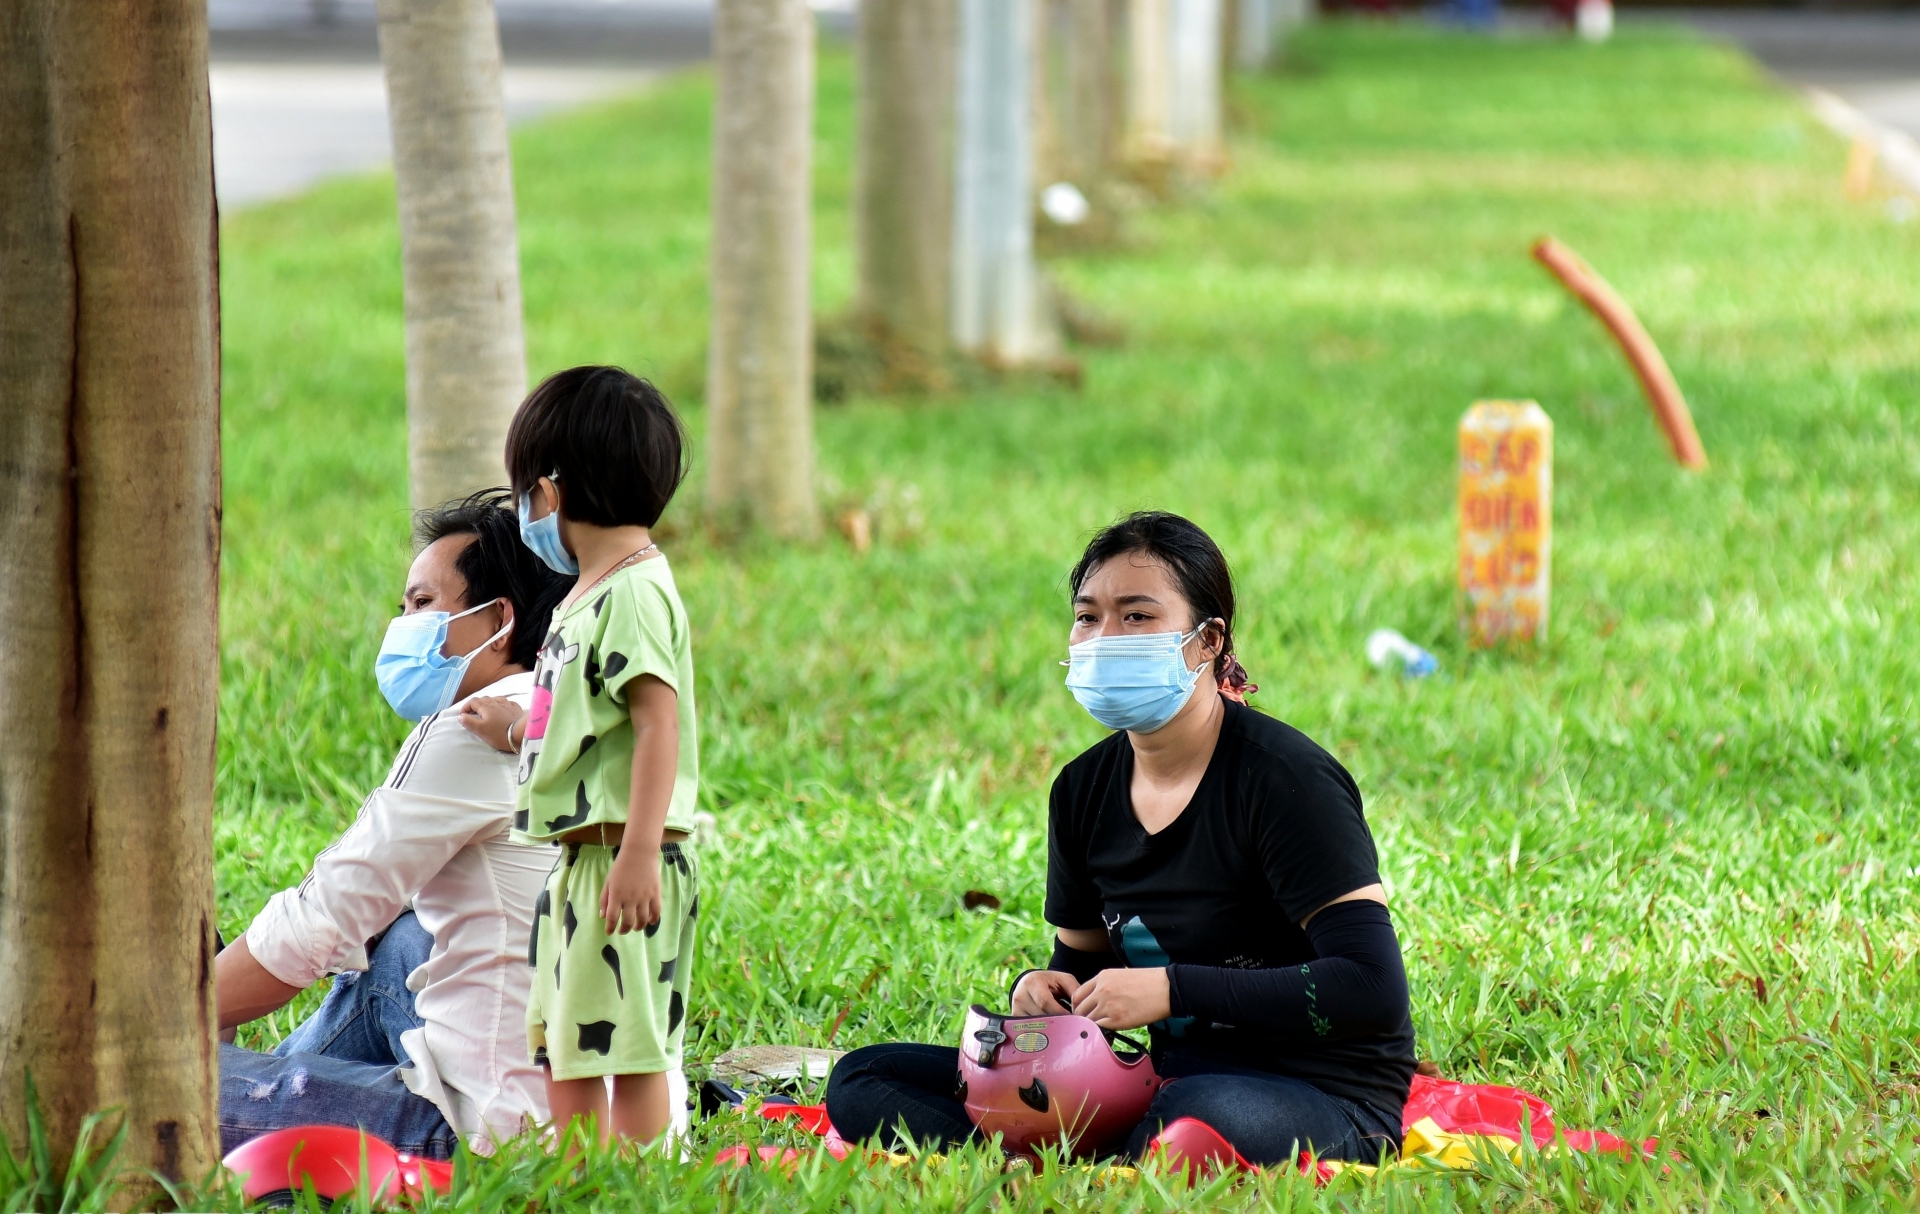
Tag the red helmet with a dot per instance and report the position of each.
(328, 1157)
(1034, 1079)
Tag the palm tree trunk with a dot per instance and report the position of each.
(903, 175)
(1149, 82)
(109, 573)
(1089, 139)
(1194, 117)
(460, 255)
(1253, 33)
(760, 359)
(997, 311)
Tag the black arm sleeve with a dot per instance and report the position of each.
(1358, 987)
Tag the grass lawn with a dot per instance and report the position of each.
(1660, 871)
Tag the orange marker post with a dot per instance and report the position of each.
(1506, 521)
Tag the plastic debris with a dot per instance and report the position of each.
(758, 1065)
(1063, 203)
(1388, 650)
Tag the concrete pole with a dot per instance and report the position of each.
(760, 357)
(459, 251)
(996, 298)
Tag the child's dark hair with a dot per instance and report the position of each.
(612, 439)
(497, 565)
(1198, 567)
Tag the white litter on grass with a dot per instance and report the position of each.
(774, 1062)
(1063, 203)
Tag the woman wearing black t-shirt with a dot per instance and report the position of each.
(1210, 876)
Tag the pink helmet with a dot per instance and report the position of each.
(1033, 1079)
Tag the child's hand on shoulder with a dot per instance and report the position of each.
(491, 719)
(630, 900)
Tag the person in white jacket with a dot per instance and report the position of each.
(423, 908)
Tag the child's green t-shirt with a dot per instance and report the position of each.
(576, 764)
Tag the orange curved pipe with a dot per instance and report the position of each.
(1669, 407)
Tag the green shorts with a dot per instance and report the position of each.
(610, 1005)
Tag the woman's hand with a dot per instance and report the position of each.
(1121, 999)
(630, 900)
(490, 718)
(1044, 993)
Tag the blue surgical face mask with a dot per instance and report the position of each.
(1133, 682)
(543, 536)
(417, 679)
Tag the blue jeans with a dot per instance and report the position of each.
(908, 1090)
(342, 1065)
(1268, 1118)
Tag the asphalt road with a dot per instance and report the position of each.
(1871, 60)
(279, 127)
(298, 95)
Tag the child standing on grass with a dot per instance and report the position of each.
(609, 762)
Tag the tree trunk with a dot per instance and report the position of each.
(996, 290)
(903, 173)
(1194, 113)
(1253, 33)
(1149, 82)
(1088, 138)
(110, 543)
(466, 357)
(760, 360)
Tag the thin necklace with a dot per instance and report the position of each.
(632, 558)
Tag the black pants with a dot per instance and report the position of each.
(907, 1092)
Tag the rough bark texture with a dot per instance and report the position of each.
(110, 538)
(466, 357)
(903, 180)
(760, 360)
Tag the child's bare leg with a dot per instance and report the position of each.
(641, 1109)
(585, 1099)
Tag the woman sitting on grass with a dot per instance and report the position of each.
(1211, 877)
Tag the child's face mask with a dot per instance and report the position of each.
(543, 535)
